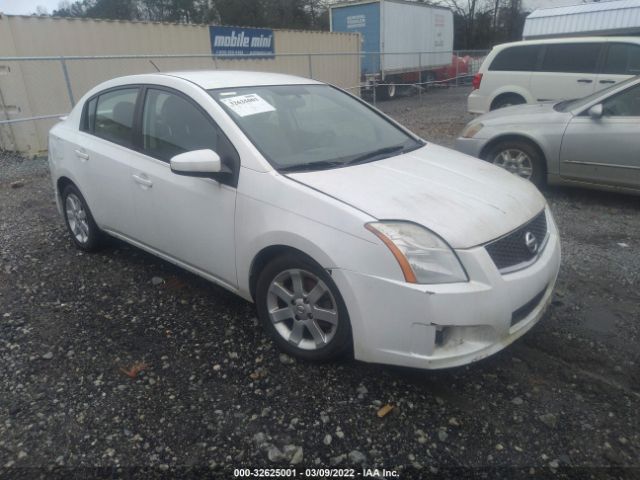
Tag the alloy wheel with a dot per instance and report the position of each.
(77, 218)
(515, 161)
(302, 309)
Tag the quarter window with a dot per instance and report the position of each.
(112, 118)
(523, 58)
(571, 58)
(172, 125)
(622, 59)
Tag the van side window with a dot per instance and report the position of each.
(571, 58)
(622, 59)
(523, 58)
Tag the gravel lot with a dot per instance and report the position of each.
(214, 394)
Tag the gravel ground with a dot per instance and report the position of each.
(119, 363)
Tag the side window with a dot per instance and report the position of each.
(625, 104)
(571, 58)
(622, 59)
(172, 125)
(523, 58)
(113, 118)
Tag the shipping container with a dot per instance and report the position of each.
(620, 17)
(402, 41)
(39, 88)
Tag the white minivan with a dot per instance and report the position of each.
(536, 71)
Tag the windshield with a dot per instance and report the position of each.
(568, 105)
(311, 127)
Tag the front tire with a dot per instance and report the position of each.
(519, 158)
(302, 309)
(83, 229)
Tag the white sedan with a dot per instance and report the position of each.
(346, 230)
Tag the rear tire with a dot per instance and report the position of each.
(83, 229)
(507, 101)
(301, 308)
(518, 156)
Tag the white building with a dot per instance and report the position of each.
(618, 17)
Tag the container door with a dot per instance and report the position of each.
(365, 20)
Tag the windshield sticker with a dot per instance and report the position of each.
(250, 104)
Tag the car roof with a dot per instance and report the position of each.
(544, 41)
(211, 79)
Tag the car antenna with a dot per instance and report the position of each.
(156, 66)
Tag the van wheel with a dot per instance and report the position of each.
(519, 158)
(301, 307)
(507, 101)
(83, 229)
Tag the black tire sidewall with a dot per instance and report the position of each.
(95, 236)
(537, 162)
(341, 342)
(508, 101)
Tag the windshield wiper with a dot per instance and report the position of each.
(303, 167)
(370, 156)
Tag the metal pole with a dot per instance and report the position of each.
(68, 81)
(455, 54)
(375, 87)
(310, 67)
(420, 75)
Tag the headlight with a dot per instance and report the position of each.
(471, 130)
(423, 256)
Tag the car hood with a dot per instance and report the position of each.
(541, 112)
(466, 201)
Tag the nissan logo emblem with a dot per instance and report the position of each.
(531, 242)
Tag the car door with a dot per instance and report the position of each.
(187, 218)
(102, 151)
(605, 150)
(567, 71)
(621, 61)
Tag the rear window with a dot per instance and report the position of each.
(622, 59)
(571, 58)
(523, 58)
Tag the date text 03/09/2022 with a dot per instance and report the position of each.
(315, 473)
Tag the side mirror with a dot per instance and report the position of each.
(198, 163)
(596, 111)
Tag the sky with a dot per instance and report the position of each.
(29, 6)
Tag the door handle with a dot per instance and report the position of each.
(607, 81)
(585, 80)
(145, 182)
(82, 155)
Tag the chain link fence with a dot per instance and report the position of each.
(36, 91)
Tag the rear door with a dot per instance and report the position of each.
(567, 71)
(621, 60)
(605, 150)
(102, 153)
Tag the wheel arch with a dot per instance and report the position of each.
(268, 253)
(502, 95)
(515, 137)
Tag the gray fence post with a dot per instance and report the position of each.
(420, 86)
(310, 66)
(67, 80)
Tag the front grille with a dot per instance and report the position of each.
(510, 251)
